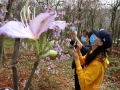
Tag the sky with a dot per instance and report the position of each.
(108, 1)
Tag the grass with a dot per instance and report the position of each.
(113, 69)
(110, 76)
(114, 65)
(9, 43)
(117, 60)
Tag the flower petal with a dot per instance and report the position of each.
(41, 23)
(60, 24)
(16, 29)
(52, 26)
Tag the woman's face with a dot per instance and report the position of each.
(85, 34)
(98, 42)
(84, 38)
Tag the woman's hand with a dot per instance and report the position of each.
(79, 44)
(75, 55)
(78, 47)
(75, 34)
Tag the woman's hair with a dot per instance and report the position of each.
(99, 51)
(88, 32)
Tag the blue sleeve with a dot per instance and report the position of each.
(85, 49)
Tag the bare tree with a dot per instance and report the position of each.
(113, 18)
(7, 16)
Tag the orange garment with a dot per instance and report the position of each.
(91, 77)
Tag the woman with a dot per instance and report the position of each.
(95, 61)
(85, 48)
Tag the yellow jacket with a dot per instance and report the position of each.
(91, 77)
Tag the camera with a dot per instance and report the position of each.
(73, 43)
(73, 28)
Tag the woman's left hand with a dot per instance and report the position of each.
(75, 34)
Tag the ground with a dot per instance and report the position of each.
(61, 79)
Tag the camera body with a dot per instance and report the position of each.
(73, 43)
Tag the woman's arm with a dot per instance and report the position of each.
(77, 40)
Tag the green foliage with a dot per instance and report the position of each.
(9, 43)
(111, 59)
(50, 74)
(114, 65)
(43, 41)
(53, 80)
(27, 64)
(112, 78)
(49, 45)
(21, 4)
(113, 69)
(116, 60)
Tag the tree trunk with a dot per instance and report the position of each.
(14, 62)
(1, 49)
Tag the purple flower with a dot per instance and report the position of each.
(64, 57)
(60, 24)
(23, 44)
(52, 68)
(38, 25)
(37, 71)
(48, 8)
(47, 58)
(6, 89)
(59, 50)
(6, 1)
(24, 83)
(42, 60)
(61, 13)
(57, 26)
(67, 41)
(32, 47)
(4, 10)
(1, 15)
(57, 32)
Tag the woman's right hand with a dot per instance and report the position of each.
(78, 47)
(75, 55)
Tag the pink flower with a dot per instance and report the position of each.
(57, 26)
(24, 83)
(37, 71)
(64, 57)
(57, 32)
(4, 10)
(38, 25)
(6, 89)
(59, 50)
(60, 24)
(6, 1)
